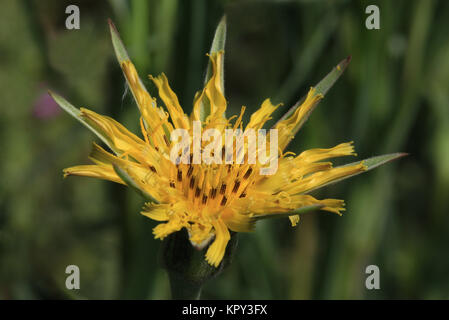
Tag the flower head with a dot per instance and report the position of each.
(212, 198)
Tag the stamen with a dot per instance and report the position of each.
(248, 173)
(223, 188)
(190, 171)
(204, 199)
(197, 192)
(223, 201)
(166, 141)
(236, 186)
(192, 182)
(179, 175)
(213, 193)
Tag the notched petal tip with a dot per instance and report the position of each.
(294, 220)
(65, 173)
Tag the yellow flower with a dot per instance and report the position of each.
(209, 200)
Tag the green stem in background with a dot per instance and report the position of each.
(187, 267)
(139, 33)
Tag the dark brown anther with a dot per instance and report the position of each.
(190, 171)
(223, 188)
(243, 195)
(248, 173)
(172, 184)
(166, 141)
(179, 175)
(213, 193)
(197, 192)
(223, 201)
(153, 169)
(236, 186)
(204, 199)
(192, 183)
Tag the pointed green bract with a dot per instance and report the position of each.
(328, 81)
(320, 89)
(377, 161)
(119, 48)
(76, 113)
(121, 53)
(132, 184)
(370, 163)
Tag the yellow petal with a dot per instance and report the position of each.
(170, 99)
(120, 137)
(144, 101)
(156, 122)
(287, 128)
(321, 178)
(237, 221)
(146, 178)
(212, 96)
(105, 172)
(216, 251)
(262, 115)
(341, 150)
(164, 229)
(158, 212)
(294, 220)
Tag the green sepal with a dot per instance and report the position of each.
(370, 163)
(320, 89)
(132, 184)
(76, 113)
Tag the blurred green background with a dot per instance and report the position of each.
(393, 97)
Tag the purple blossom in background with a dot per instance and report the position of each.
(44, 107)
